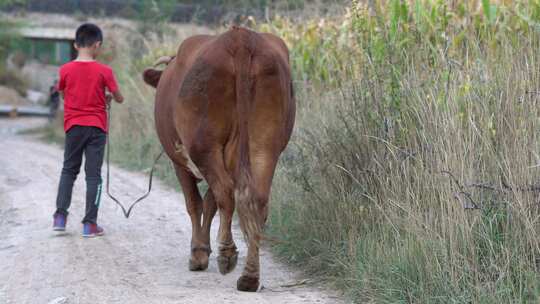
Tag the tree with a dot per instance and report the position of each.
(4, 3)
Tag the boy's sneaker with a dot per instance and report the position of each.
(59, 223)
(92, 230)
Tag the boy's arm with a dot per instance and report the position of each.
(118, 97)
(61, 85)
(112, 85)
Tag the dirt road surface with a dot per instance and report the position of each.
(140, 260)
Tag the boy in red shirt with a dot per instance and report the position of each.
(84, 83)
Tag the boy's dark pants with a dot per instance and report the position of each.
(91, 142)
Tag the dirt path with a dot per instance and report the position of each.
(140, 260)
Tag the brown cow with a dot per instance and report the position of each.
(224, 113)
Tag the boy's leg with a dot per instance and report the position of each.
(93, 153)
(74, 146)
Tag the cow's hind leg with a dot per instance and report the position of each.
(200, 245)
(222, 187)
(252, 204)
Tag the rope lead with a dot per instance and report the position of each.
(128, 211)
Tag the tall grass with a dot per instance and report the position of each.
(412, 176)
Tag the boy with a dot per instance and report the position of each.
(83, 83)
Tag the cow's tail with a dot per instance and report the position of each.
(246, 204)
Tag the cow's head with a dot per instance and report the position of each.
(151, 75)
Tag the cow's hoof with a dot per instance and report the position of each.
(199, 259)
(246, 283)
(227, 264)
(198, 265)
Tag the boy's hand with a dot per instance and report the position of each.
(118, 96)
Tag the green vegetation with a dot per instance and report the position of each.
(4, 3)
(9, 41)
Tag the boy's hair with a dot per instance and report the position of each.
(88, 34)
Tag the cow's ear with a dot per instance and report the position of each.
(152, 76)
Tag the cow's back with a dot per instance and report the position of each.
(203, 105)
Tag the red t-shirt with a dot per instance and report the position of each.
(83, 84)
